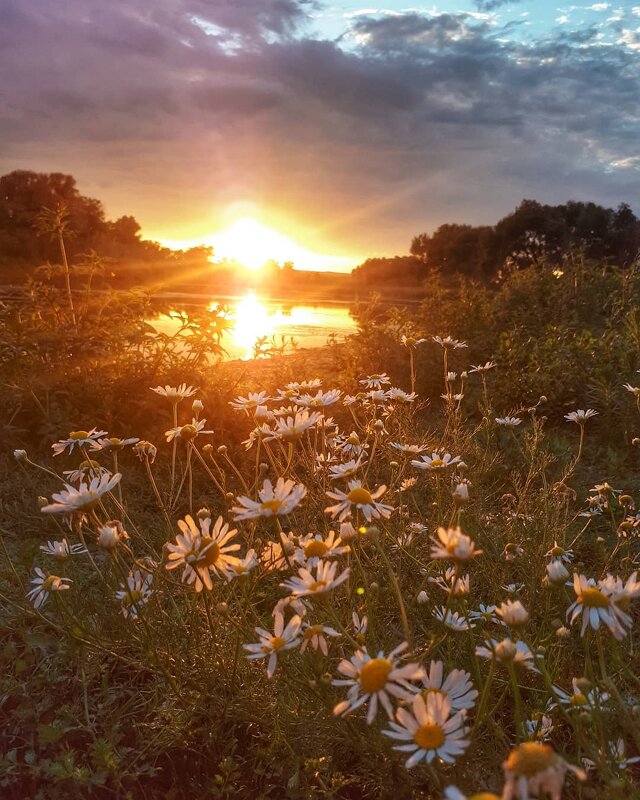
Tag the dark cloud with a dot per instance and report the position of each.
(492, 5)
(174, 107)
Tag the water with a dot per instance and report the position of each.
(254, 317)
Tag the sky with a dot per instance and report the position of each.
(344, 127)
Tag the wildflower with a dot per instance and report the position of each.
(275, 554)
(453, 544)
(87, 470)
(406, 484)
(436, 462)
(20, 456)
(346, 470)
(507, 651)
(324, 580)
(580, 416)
(593, 601)
(409, 449)
(257, 435)
(460, 492)
(431, 731)
(347, 531)
(512, 551)
(452, 619)
(513, 613)
(352, 445)
(557, 553)
(635, 390)
(77, 439)
(113, 444)
(410, 341)
(400, 396)
(513, 588)
(448, 343)
(271, 645)
(292, 428)
(485, 614)
(313, 547)
(360, 498)
(136, 593)
(372, 680)
(557, 572)
(61, 550)
(242, 566)
(145, 450)
(84, 498)
(304, 386)
(187, 432)
(452, 583)
(580, 697)
(359, 623)
(508, 422)
(622, 593)
(202, 551)
(315, 635)
(534, 768)
(377, 396)
(483, 367)
(376, 381)
(616, 752)
(175, 394)
(111, 534)
(457, 687)
(44, 585)
(422, 598)
(540, 729)
(320, 399)
(272, 502)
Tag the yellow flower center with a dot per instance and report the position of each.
(353, 439)
(484, 796)
(271, 505)
(594, 598)
(360, 496)
(133, 597)
(188, 432)
(578, 699)
(49, 583)
(410, 341)
(211, 555)
(436, 463)
(374, 674)
(317, 586)
(313, 630)
(89, 465)
(277, 643)
(315, 548)
(78, 435)
(557, 551)
(531, 758)
(429, 736)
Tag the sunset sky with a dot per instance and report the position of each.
(345, 127)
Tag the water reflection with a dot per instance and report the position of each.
(253, 318)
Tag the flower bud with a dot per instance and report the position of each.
(197, 406)
(563, 632)
(145, 450)
(584, 684)
(222, 608)
(378, 425)
(20, 456)
(373, 587)
(506, 650)
(461, 493)
(422, 598)
(264, 468)
(222, 449)
(347, 531)
(261, 414)
(42, 502)
(208, 449)
(394, 464)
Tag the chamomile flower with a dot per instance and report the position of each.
(557, 572)
(202, 550)
(507, 651)
(579, 698)
(483, 367)
(622, 592)
(44, 585)
(359, 623)
(558, 553)
(62, 550)
(346, 470)
(113, 444)
(448, 343)
(275, 554)
(452, 582)
(361, 499)
(77, 439)
(71, 500)
(111, 535)
(436, 461)
(485, 614)
(456, 687)
(272, 501)
(580, 416)
(513, 613)
(272, 644)
(411, 341)
(187, 432)
(431, 731)
(512, 551)
(373, 680)
(314, 547)
(316, 636)
(635, 390)
(400, 396)
(175, 394)
(242, 567)
(251, 402)
(594, 603)
(534, 768)
(319, 400)
(352, 446)
(136, 593)
(452, 619)
(290, 429)
(508, 422)
(325, 580)
(540, 729)
(409, 449)
(452, 544)
(376, 381)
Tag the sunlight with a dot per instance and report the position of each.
(252, 320)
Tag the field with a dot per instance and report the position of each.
(402, 566)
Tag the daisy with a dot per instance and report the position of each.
(448, 343)
(508, 651)
(557, 572)
(409, 449)
(508, 422)
(452, 583)
(272, 644)
(539, 730)
(485, 614)
(352, 446)
(359, 623)
(292, 428)
(580, 698)
(512, 551)
(401, 396)
(580, 416)
(430, 732)
(376, 381)
(622, 593)
(187, 432)
(136, 593)
(359, 498)
(513, 613)
(436, 461)
(534, 768)
(372, 680)
(272, 502)
(315, 635)
(324, 580)
(84, 498)
(320, 399)
(456, 687)
(410, 341)
(274, 556)
(406, 484)
(113, 444)
(44, 585)
(111, 535)
(87, 470)
(557, 553)
(145, 450)
(242, 566)
(346, 470)
(453, 544)
(304, 386)
(483, 367)
(262, 432)
(452, 619)
(513, 588)
(313, 547)
(61, 550)
(593, 601)
(377, 396)
(202, 551)
(616, 751)
(175, 394)
(77, 439)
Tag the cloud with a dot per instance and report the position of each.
(174, 109)
(492, 5)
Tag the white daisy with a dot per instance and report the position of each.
(534, 768)
(316, 636)
(409, 449)
(272, 502)
(452, 619)
(319, 400)
(508, 422)
(457, 687)
(483, 367)
(175, 394)
(251, 402)
(323, 581)
(436, 461)
(346, 470)
(77, 439)
(136, 593)
(400, 396)
(579, 698)
(62, 550)
(242, 566)
(411, 341)
(84, 498)
(595, 604)
(580, 416)
(290, 429)
(272, 644)
(508, 651)
(376, 381)
(314, 547)
(372, 680)
(44, 585)
(453, 544)
(361, 499)
(448, 343)
(452, 583)
(187, 432)
(113, 444)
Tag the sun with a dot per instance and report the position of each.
(253, 244)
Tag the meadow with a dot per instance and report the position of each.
(404, 565)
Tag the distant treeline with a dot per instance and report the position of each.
(532, 233)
